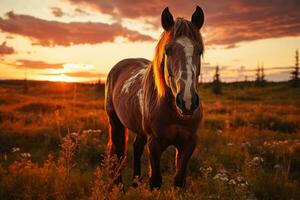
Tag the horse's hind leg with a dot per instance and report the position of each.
(117, 142)
(138, 149)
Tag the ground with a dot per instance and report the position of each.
(53, 137)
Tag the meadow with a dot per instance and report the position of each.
(53, 138)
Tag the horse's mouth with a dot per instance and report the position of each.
(185, 114)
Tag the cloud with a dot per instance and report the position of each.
(57, 12)
(84, 74)
(80, 11)
(6, 50)
(31, 64)
(226, 22)
(50, 33)
(78, 74)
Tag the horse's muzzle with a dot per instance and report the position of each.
(181, 105)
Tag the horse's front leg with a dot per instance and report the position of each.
(183, 155)
(155, 151)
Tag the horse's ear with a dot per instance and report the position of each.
(167, 20)
(198, 17)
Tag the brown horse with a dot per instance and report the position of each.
(158, 100)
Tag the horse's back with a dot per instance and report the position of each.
(124, 92)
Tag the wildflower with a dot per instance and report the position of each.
(74, 134)
(209, 169)
(246, 144)
(256, 161)
(232, 182)
(26, 155)
(206, 170)
(221, 175)
(239, 181)
(277, 166)
(230, 144)
(97, 131)
(15, 149)
(267, 143)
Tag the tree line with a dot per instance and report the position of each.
(260, 77)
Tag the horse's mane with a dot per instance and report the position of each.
(154, 83)
(181, 28)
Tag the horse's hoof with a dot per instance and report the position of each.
(179, 183)
(155, 182)
(136, 182)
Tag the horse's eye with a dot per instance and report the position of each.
(198, 50)
(168, 50)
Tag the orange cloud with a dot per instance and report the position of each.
(226, 22)
(5, 50)
(31, 64)
(79, 74)
(51, 33)
(84, 74)
(57, 12)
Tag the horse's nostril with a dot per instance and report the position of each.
(179, 101)
(196, 100)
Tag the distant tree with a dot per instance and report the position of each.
(263, 81)
(260, 76)
(25, 84)
(216, 84)
(295, 73)
(257, 79)
(99, 86)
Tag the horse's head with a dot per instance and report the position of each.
(182, 53)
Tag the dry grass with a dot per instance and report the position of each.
(52, 146)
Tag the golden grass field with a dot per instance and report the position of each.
(53, 137)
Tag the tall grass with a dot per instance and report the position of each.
(54, 148)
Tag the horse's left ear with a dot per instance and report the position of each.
(167, 20)
(198, 17)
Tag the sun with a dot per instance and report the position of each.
(61, 78)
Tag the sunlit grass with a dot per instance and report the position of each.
(53, 138)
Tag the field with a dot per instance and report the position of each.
(53, 137)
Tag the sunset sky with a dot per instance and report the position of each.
(80, 40)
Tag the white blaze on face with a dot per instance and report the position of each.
(188, 50)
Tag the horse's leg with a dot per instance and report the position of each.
(183, 155)
(138, 149)
(117, 141)
(155, 151)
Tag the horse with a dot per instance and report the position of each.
(158, 100)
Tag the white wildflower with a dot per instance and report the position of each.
(277, 166)
(74, 134)
(232, 182)
(230, 144)
(15, 149)
(26, 155)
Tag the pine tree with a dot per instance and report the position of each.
(295, 74)
(216, 84)
(25, 84)
(257, 80)
(99, 86)
(262, 76)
